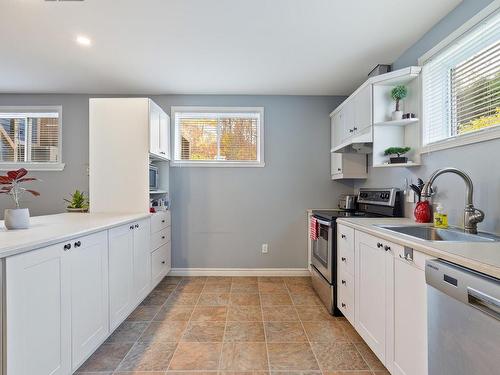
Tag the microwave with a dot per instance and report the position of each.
(153, 178)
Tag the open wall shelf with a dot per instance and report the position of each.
(403, 122)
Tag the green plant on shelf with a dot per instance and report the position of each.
(396, 151)
(398, 93)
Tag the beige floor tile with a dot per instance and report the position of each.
(300, 288)
(308, 299)
(243, 356)
(272, 287)
(245, 299)
(291, 356)
(244, 288)
(171, 280)
(148, 356)
(370, 358)
(279, 313)
(338, 356)
(190, 373)
(106, 358)
(269, 299)
(219, 280)
(245, 280)
(165, 287)
(214, 299)
(128, 332)
(217, 288)
(204, 332)
(270, 279)
(284, 332)
(165, 331)
(190, 287)
(325, 331)
(156, 297)
(244, 331)
(296, 280)
(144, 313)
(313, 313)
(183, 298)
(244, 313)
(209, 313)
(136, 373)
(361, 372)
(243, 373)
(352, 335)
(193, 279)
(174, 312)
(196, 356)
(296, 373)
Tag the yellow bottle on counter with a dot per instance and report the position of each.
(440, 217)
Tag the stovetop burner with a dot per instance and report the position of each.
(332, 215)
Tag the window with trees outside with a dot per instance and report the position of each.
(461, 88)
(213, 136)
(30, 137)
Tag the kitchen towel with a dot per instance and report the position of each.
(313, 229)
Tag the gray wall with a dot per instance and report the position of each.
(221, 216)
(480, 160)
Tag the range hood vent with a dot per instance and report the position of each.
(359, 144)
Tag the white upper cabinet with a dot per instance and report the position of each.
(362, 109)
(159, 132)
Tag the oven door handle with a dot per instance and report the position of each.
(322, 222)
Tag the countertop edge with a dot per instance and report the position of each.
(424, 248)
(23, 248)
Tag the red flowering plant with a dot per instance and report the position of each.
(12, 184)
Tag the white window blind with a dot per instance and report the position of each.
(461, 84)
(218, 136)
(30, 135)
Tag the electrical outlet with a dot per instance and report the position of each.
(265, 248)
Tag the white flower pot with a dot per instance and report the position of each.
(397, 115)
(17, 218)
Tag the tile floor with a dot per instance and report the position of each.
(239, 325)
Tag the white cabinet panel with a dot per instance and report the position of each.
(363, 109)
(160, 220)
(164, 136)
(160, 263)
(89, 290)
(154, 128)
(38, 303)
(142, 259)
(121, 271)
(373, 267)
(410, 319)
(336, 164)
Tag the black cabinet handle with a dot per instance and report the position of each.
(387, 248)
(351, 130)
(163, 262)
(343, 304)
(131, 227)
(343, 259)
(344, 282)
(163, 221)
(379, 245)
(355, 128)
(67, 247)
(78, 244)
(162, 237)
(342, 236)
(137, 225)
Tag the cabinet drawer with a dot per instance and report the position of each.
(412, 256)
(160, 263)
(160, 238)
(160, 220)
(345, 298)
(345, 238)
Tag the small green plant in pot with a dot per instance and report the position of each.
(398, 151)
(398, 93)
(78, 202)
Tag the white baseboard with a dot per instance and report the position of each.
(239, 272)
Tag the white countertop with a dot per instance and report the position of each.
(50, 229)
(480, 256)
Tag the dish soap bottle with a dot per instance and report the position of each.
(440, 217)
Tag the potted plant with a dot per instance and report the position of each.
(78, 202)
(16, 218)
(398, 93)
(397, 151)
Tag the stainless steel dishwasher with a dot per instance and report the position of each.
(463, 313)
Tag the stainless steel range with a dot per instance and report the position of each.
(370, 203)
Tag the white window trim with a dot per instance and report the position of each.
(477, 136)
(36, 166)
(216, 163)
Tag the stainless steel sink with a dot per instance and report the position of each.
(436, 234)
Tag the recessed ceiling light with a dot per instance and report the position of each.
(83, 40)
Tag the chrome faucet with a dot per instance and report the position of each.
(472, 215)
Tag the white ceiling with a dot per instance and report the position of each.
(205, 46)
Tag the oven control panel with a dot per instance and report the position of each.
(384, 197)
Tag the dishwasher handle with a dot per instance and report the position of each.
(482, 301)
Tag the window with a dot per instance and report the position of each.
(30, 137)
(461, 87)
(212, 136)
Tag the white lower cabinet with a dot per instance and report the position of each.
(89, 289)
(142, 260)
(390, 303)
(57, 306)
(38, 312)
